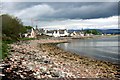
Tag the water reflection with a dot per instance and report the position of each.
(104, 48)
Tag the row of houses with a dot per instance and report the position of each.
(57, 33)
(33, 33)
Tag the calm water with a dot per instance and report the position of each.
(103, 48)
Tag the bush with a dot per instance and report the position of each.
(11, 27)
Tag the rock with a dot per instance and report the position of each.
(86, 70)
(46, 61)
(4, 65)
(30, 67)
(49, 76)
(22, 76)
(8, 70)
(38, 76)
(55, 74)
(12, 50)
(24, 73)
(1, 67)
(24, 63)
(2, 75)
(34, 74)
(12, 59)
(47, 72)
(43, 69)
(37, 73)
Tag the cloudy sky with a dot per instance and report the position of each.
(61, 15)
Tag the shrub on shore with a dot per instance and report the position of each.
(12, 28)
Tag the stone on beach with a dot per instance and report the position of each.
(27, 60)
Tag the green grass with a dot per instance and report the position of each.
(4, 46)
(4, 50)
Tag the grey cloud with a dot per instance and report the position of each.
(70, 15)
(85, 10)
(67, 10)
(60, 1)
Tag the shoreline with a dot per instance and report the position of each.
(107, 67)
(53, 45)
(98, 36)
(43, 60)
(92, 58)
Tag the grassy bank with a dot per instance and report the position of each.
(5, 48)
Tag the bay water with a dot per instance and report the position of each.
(106, 49)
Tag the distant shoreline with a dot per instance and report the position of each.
(95, 36)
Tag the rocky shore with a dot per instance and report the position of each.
(41, 59)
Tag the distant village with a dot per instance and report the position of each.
(34, 32)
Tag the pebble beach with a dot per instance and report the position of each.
(42, 59)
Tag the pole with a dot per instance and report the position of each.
(32, 22)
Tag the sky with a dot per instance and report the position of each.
(65, 15)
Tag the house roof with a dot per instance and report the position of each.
(36, 31)
(61, 31)
(50, 31)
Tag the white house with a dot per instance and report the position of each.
(57, 33)
(82, 34)
(33, 33)
(63, 33)
(49, 32)
(77, 34)
(73, 34)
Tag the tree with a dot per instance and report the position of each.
(93, 31)
(11, 27)
(27, 28)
